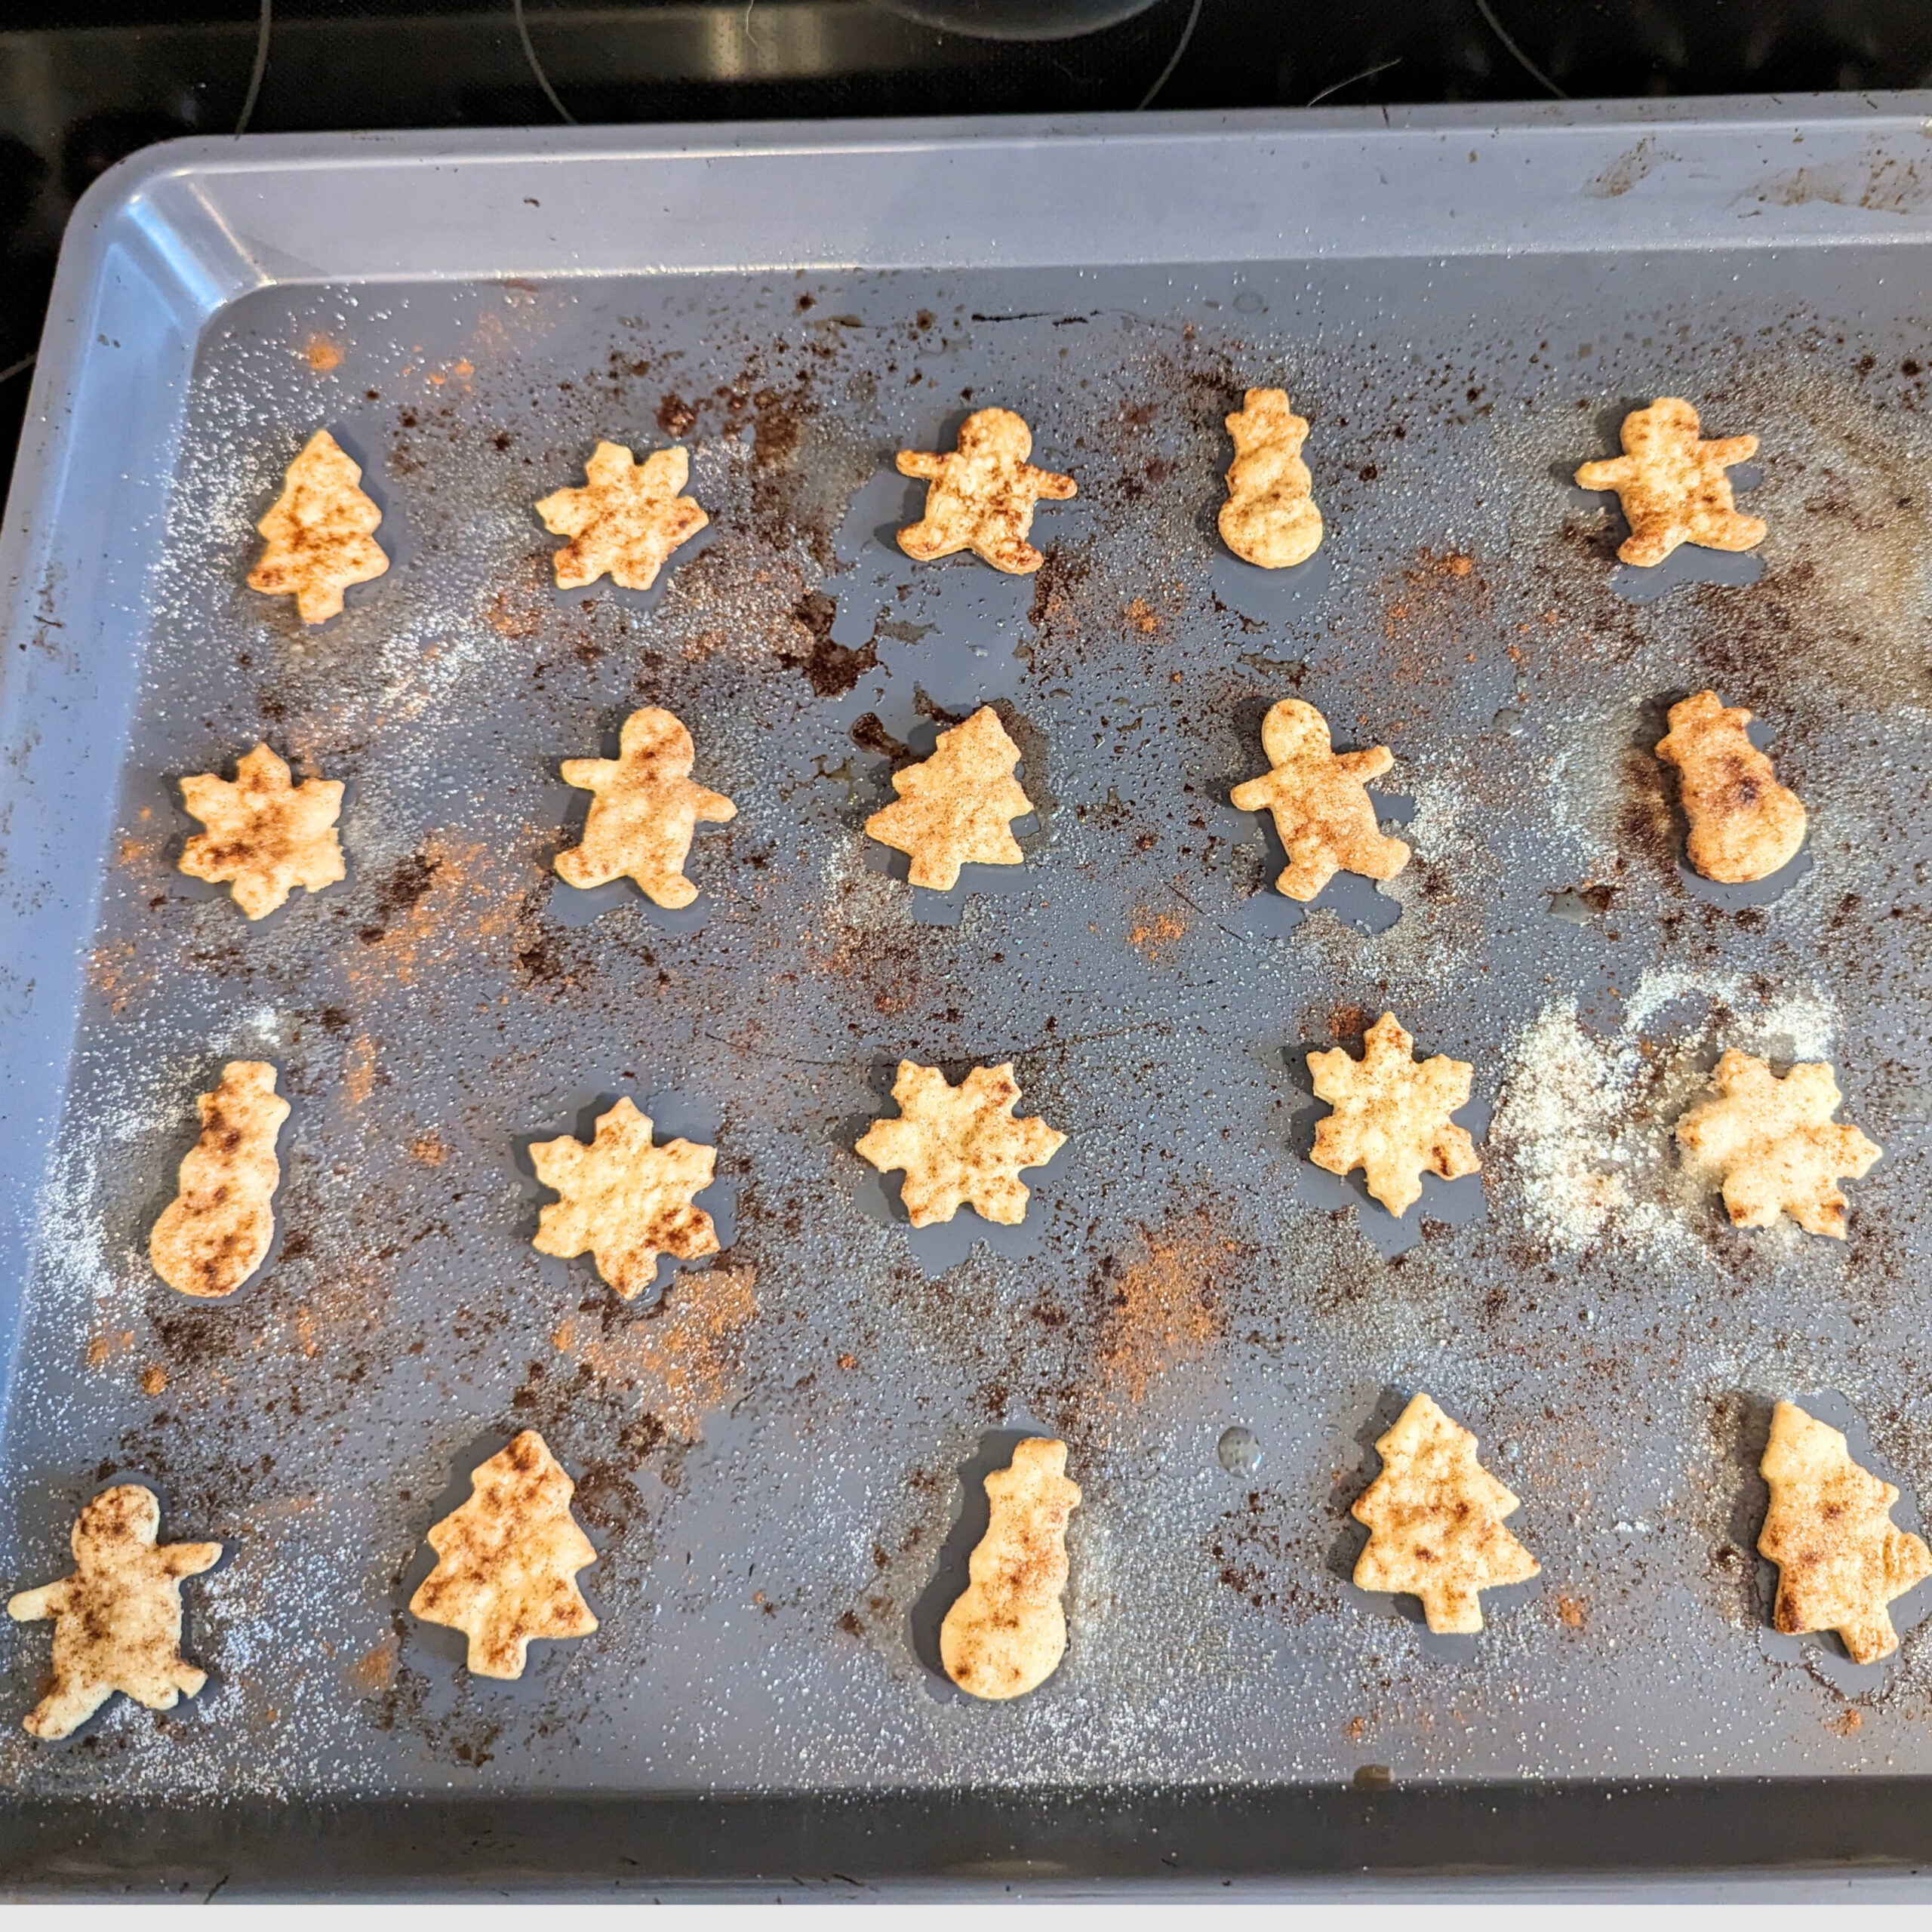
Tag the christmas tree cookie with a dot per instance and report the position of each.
(1841, 1558)
(956, 808)
(319, 533)
(1435, 1521)
(507, 1560)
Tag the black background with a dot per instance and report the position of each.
(82, 85)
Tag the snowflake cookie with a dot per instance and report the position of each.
(959, 1145)
(1390, 1116)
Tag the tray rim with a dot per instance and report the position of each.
(169, 232)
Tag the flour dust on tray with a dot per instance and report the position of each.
(1585, 1124)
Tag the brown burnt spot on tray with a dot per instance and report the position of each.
(1348, 1021)
(869, 735)
(1590, 538)
(609, 1495)
(1057, 587)
(112, 973)
(1839, 613)
(1726, 1501)
(1154, 935)
(104, 1344)
(806, 465)
(322, 354)
(1572, 1612)
(373, 1672)
(1160, 1309)
(430, 912)
(1141, 616)
(831, 669)
(358, 1072)
(520, 601)
(139, 851)
(1648, 828)
(1436, 610)
(1258, 1551)
(685, 1357)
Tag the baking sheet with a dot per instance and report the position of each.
(780, 1462)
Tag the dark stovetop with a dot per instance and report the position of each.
(83, 83)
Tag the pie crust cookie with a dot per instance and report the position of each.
(1841, 1558)
(1319, 797)
(626, 518)
(1772, 1146)
(1270, 517)
(644, 811)
(117, 1620)
(1435, 1521)
(982, 494)
(217, 1230)
(955, 808)
(625, 1201)
(1672, 485)
(1744, 824)
(959, 1145)
(319, 533)
(1006, 1632)
(265, 836)
(507, 1560)
(1390, 1116)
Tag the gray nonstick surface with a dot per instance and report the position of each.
(779, 1461)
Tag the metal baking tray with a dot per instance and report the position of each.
(780, 1460)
